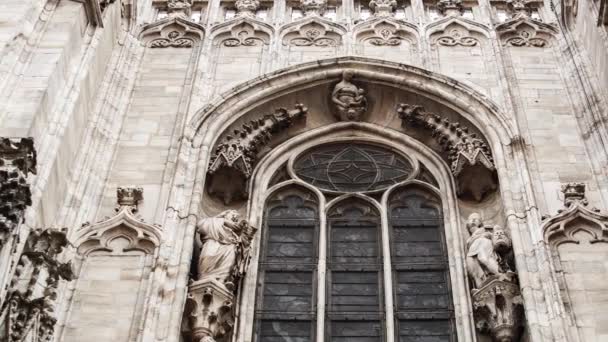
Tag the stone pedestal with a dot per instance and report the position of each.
(498, 309)
(209, 309)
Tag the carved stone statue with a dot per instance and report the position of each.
(223, 260)
(496, 296)
(482, 259)
(349, 100)
(226, 239)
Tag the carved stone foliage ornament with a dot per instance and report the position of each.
(456, 37)
(172, 39)
(497, 302)
(575, 217)
(314, 34)
(232, 163)
(28, 310)
(470, 157)
(223, 261)
(179, 8)
(245, 34)
(349, 100)
(522, 31)
(17, 160)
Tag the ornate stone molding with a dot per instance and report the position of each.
(179, 8)
(17, 160)
(385, 31)
(176, 32)
(232, 163)
(246, 8)
(28, 310)
(563, 226)
(456, 36)
(124, 225)
(497, 302)
(313, 7)
(470, 158)
(523, 31)
(450, 8)
(243, 32)
(315, 31)
(383, 8)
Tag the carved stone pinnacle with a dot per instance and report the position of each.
(574, 193)
(129, 197)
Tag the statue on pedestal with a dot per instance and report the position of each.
(349, 100)
(497, 302)
(224, 257)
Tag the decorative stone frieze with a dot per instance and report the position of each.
(470, 157)
(497, 302)
(244, 32)
(450, 8)
(176, 32)
(224, 259)
(562, 227)
(349, 101)
(28, 310)
(17, 160)
(313, 7)
(383, 8)
(232, 163)
(523, 31)
(456, 36)
(246, 8)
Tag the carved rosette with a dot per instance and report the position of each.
(232, 163)
(209, 310)
(470, 157)
(28, 311)
(498, 310)
(17, 160)
(313, 7)
(246, 8)
(383, 8)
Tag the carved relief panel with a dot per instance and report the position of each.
(240, 52)
(311, 39)
(389, 39)
(460, 48)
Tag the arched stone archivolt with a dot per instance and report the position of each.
(246, 101)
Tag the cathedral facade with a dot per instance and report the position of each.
(304, 170)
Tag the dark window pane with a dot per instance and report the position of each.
(424, 331)
(355, 292)
(290, 244)
(287, 291)
(356, 331)
(284, 331)
(354, 244)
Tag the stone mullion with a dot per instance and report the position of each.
(322, 275)
(389, 307)
(214, 11)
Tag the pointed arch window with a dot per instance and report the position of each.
(352, 249)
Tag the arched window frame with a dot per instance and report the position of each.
(285, 154)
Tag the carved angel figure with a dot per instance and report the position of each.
(226, 242)
(483, 248)
(349, 100)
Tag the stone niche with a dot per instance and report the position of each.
(382, 109)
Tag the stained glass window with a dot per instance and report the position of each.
(352, 167)
(420, 268)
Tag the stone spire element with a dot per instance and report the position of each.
(28, 310)
(383, 8)
(470, 157)
(246, 8)
(313, 7)
(232, 163)
(450, 8)
(17, 160)
(179, 8)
